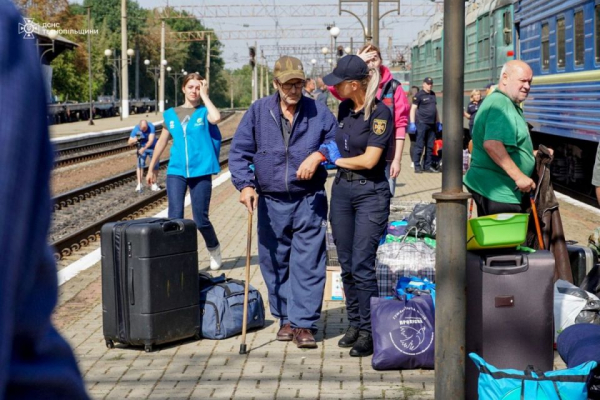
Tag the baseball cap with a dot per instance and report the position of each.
(489, 85)
(288, 68)
(428, 81)
(349, 68)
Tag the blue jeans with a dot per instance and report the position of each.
(200, 192)
(425, 140)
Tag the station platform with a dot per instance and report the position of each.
(207, 369)
(101, 125)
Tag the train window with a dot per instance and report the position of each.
(438, 54)
(579, 48)
(560, 43)
(545, 47)
(597, 32)
(507, 30)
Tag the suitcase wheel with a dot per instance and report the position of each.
(148, 348)
(110, 344)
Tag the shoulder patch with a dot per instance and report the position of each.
(379, 126)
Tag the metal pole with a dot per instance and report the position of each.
(89, 37)
(368, 36)
(161, 86)
(176, 88)
(450, 313)
(375, 40)
(137, 72)
(155, 92)
(255, 78)
(207, 59)
(262, 82)
(231, 91)
(124, 64)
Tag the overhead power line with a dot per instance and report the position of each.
(304, 10)
(262, 34)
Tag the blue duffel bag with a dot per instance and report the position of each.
(222, 307)
(512, 384)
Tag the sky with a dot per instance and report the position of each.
(299, 27)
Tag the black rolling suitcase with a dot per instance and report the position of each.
(149, 281)
(509, 311)
(582, 260)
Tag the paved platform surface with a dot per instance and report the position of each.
(207, 369)
(101, 125)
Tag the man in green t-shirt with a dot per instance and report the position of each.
(503, 158)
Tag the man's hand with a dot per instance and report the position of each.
(525, 184)
(309, 166)
(141, 151)
(249, 198)
(150, 176)
(395, 169)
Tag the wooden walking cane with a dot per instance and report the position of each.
(243, 349)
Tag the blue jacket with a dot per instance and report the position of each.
(196, 146)
(259, 141)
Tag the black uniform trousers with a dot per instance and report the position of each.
(359, 214)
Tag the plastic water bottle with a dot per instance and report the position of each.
(466, 156)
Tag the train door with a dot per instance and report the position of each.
(502, 40)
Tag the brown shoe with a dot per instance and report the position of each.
(304, 338)
(285, 333)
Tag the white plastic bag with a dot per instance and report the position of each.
(569, 302)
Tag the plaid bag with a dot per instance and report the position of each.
(403, 259)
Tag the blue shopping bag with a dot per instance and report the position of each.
(512, 384)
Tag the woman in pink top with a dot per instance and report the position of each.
(390, 92)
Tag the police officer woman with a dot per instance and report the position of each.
(194, 157)
(360, 200)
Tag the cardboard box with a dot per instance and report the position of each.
(334, 289)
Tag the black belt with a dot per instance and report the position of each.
(355, 176)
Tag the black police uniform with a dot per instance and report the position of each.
(360, 207)
(425, 119)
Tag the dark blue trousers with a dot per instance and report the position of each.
(200, 192)
(359, 214)
(425, 140)
(291, 251)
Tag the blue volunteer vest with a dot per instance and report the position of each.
(196, 144)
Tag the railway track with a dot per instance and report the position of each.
(89, 232)
(78, 154)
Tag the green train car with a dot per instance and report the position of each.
(489, 44)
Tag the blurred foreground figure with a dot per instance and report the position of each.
(35, 361)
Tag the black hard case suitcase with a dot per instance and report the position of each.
(509, 311)
(149, 281)
(582, 260)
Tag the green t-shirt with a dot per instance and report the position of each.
(499, 119)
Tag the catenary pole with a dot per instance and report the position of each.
(451, 213)
(161, 86)
(89, 37)
(124, 64)
(375, 23)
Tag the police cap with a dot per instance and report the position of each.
(349, 68)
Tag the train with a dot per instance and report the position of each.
(560, 40)
(104, 107)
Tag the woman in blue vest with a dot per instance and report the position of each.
(194, 157)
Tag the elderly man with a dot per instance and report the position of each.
(503, 157)
(274, 153)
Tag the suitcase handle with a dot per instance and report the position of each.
(173, 227)
(505, 264)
